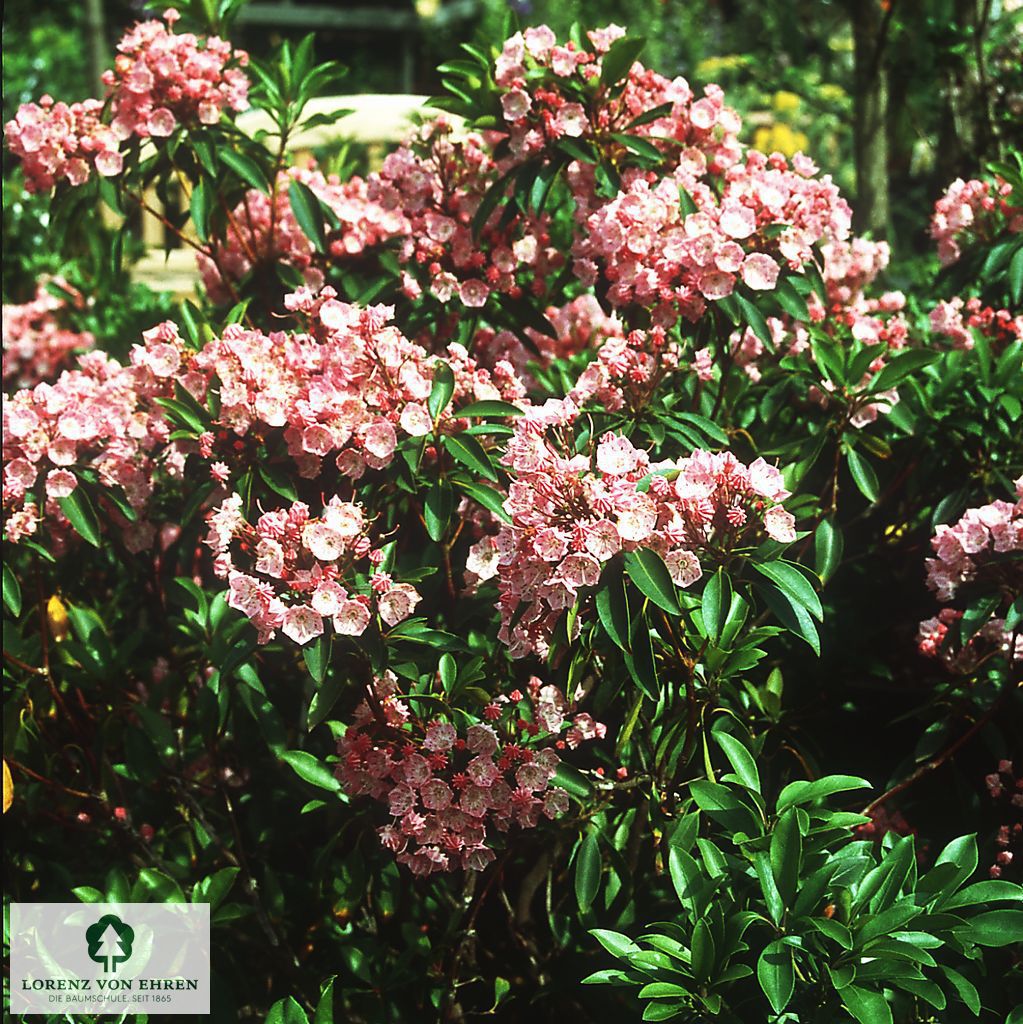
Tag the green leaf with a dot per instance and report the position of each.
(587, 872)
(985, 892)
(214, 889)
(245, 167)
(714, 604)
(201, 206)
(1016, 277)
(827, 548)
(776, 974)
(793, 584)
(647, 570)
(751, 315)
(488, 407)
(965, 989)
(614, 942)
(317, 656)
(286, 1011)
(491, 500)
(309, 214)
(443, 389)
(324, 1013)
(277, 479)
(702, 950)
(613, 611)
(863, 475)
(12, 591)
(802, 792)
(78, 508)
(902, 365)
(157, 887)
(994, 928)
(311, 769)
(618, 60)
(87, 894)
(740, 759)
(437, 509)
(787, 855)
(572, 781)
(468, 451)
(867, 1006)
(640, 662)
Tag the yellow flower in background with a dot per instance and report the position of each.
(785, 102)
(830, 93)
(779, 138)
(56, 615)
(8, 788)
(711, 67)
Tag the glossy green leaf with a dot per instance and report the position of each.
(827, 547)
(468, 451)
(866, 1005)
(311, 769)
(613, 611)
(437, 509)
(714, 604)
(245, 167)
(776, 974)
(786, 855)
(863, 475)
(11, 591)
(647, 570)
(616, 63)
(442, 390)
(78, 508)
(740, 759)
(793, 584)
(587, 872)
(309, 214)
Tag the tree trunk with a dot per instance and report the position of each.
(95, 30)
(870, 139)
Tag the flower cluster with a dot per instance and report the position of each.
(971, 210)
(1006, 788)
(349, 389)
(958, 319)
(293, 567)
(654, 254)
(448, 792)
(627, 371)
(57, 142)
(99, 421)
(36, 342)
(548, 95)
(571, 513)
(262, 231)
(438, 183)
(982, 549)
(160, 80)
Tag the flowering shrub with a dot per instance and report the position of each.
(545, 511)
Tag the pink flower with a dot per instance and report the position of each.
(759, 271)
(780, 525)
(301, 624)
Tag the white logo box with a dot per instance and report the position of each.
(119, 958)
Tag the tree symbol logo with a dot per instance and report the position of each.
(109, 942)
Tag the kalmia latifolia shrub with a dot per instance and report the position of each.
(514, 566)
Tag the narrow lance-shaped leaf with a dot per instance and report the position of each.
(587, 872)
(309, 214)
(647, 570)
